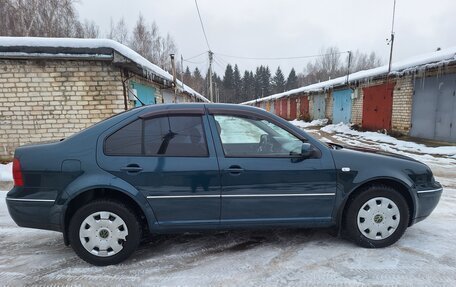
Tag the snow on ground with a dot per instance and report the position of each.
(314, 123)
(382, 138)
(425, 256)
(6, 172)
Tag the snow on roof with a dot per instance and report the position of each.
(425, 60)
(93, 44)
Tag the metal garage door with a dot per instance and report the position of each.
(263, 105)
(284, 108)
(318, 107)
(304, 108)
(271, 107)
(144, 93)
(342, 106)
(378, 106)
(293, 108)
(434, 108)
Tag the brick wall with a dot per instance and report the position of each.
(329, 106)
(47, 100)
(402, 105)
(357, 107)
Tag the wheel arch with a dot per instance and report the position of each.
(394, 183)
(103, 192)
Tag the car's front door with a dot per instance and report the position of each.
(264, 180)
(172, 162)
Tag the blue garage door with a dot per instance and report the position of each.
(342, 106)
(318, 107)
(145, 93)
(271, 107)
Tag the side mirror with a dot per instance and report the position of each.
(306, 150)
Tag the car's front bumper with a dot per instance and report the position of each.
(427, 200)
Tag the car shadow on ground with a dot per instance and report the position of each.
(213, 243)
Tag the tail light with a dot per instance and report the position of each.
(17, 173)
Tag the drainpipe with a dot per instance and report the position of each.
(124, 74)
(173, 64)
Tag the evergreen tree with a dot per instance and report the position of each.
(292, 81)
(236, 83)
(278, 81)
(228, 84)
(248, 87)
(265, 77)
(198, 81)
(188, 77)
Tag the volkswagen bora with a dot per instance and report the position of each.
(193, 167)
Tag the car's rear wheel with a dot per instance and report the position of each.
(377, 217)
(104, 232)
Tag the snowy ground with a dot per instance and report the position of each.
(426, 255)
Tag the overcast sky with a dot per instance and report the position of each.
(287, 28)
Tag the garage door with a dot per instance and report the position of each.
(378, 106)
(342, 106)
(318, 107)
(434, 108)
(144, 93)
(304, 108)
(293, 108)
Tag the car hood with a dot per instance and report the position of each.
(377, 152)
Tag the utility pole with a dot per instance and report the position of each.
(182, 71)
(173, 65)
(392, 38)
(211, 95)
(349, 62)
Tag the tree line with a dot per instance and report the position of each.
(59, 18)
(235, 86)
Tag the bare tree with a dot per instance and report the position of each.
(331, 65)
(362, 61)
(45, 18)
(141, 39)
(119, 32)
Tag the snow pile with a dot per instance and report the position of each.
(314, 123)
(93, 44)
(438, 58)
(342, 128)
(6, 172)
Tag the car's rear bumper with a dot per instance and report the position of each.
(427, 200)
(33, 213)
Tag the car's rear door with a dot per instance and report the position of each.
(171, 161)
(270, 186)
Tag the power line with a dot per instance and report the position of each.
(279, 58)
(202, 26)
(195, 56)
(192, 62)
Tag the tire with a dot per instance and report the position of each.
(377, 217)
(109, 229)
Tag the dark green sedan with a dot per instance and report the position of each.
(195, 167)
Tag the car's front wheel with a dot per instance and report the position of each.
(377, 217)
(104, 232)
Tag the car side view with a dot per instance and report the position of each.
(195, 167)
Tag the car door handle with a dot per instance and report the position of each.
(235, 169)
(131, 168)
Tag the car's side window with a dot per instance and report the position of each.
(125, 141)
(252, 137)
(175, 136)
(161, 136)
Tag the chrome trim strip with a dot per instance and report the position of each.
(279, 195)
(30, 199)
(181, 196)
(430, 190)
(239, 195)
